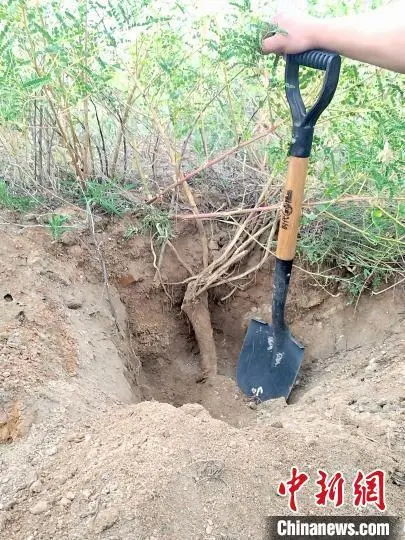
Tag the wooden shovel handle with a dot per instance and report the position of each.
(292, 207)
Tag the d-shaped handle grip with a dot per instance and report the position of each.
(304, 120)
(314, 59)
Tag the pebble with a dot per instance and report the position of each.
(105, 519)
(6, 374)
(70, 495)
(52, 451)
(39, 508)
(36, 487)
(32, 476)
(68, 239)
(64, 502)
(76, 437)
(74, 304)
(10, 505)
(87, 493)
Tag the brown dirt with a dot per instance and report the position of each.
(85, 458)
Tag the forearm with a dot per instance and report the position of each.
(376, 38)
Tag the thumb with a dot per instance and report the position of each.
(275, 44)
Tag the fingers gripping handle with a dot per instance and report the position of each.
(304, 120)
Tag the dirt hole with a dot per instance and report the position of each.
(168, 354)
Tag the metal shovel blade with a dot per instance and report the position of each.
(268, 367)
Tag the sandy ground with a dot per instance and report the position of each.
(105, 433)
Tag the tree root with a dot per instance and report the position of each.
(197, 310)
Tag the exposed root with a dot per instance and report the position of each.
(197, 310)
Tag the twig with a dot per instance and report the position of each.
(269, 208)
(250, 270)
(388, 288)
(181, 261)
(104, 268)
(156, 267)
(233, 291)
(211, 163)
(213, 215)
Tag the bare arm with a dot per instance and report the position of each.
(377, 37)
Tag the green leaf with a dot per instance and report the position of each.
(37, 82)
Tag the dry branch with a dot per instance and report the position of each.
(212, 162)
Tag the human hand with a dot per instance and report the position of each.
(301, 31)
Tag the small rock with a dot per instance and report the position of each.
(253, 405)
(39, 508)
(31, 477)
(87, 494)
(68, 239)
(74, 304)
(70, 495)
(36, 487)
(10, 504)
(52, 451)
(371, 368)
(14, 341)
(64, 502)
(61, 478)
(76, 437)
(6, 374)
(105, 519)
(278, 425)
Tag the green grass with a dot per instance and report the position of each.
(154, 222)
(57, 226)
(106, 196)
(14, 202)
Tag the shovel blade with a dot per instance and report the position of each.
(263, 372)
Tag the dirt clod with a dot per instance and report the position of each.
(105, 519)
(39, 508)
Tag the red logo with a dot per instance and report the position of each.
(367, 489)
(331, 490)
(292, 486)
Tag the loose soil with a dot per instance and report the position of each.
(104, 431)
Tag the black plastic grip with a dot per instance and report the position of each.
(314, 59)
(304, 119)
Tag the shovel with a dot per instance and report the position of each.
(271, 358)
